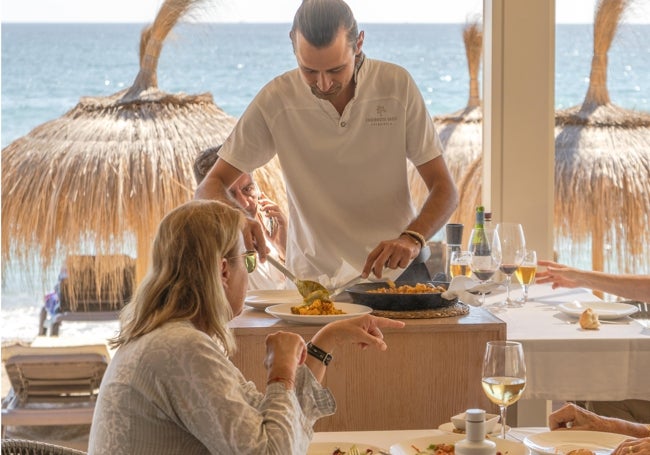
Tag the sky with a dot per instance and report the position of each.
(396, 11)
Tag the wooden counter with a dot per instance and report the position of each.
(431, 370)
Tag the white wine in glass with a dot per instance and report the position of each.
(526, 273)
(504, 375)
(460, 264)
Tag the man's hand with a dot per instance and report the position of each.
(392, 254)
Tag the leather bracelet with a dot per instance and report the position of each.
(318, 353)
(419, 238)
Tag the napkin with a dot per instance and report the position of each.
(461, 287)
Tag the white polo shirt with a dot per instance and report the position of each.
(346, 175)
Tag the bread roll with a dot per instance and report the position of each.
(589, 321)
(580, 452)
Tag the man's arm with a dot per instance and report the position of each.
(217, 181)
(215, 186)
(441, 202)
(442, 199)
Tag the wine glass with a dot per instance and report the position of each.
(485, 259)
(460, 264)
(513, 248)
(526, 273)
(504, 375)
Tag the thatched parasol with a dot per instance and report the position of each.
(100, 178)
(461, 132)
(602, 164)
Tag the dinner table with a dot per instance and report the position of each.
(322, 442)
(565, 362)
(430, 371)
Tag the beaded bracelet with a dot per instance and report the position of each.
(419, 238)
(317, 352)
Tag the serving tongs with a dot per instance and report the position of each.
(305, 287)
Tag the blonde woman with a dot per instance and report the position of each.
(171, 387)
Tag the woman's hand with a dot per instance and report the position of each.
(574, 417)
(285, 351)
(363, 331)
(633, 446)
(559, 275)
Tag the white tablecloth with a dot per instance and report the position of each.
(385, 439)
(565, 362)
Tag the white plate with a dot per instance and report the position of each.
(605, 310)
(326, 448)
(561, 442)
(405, 448)
(262, 298)
(449, 428)
(283, 311)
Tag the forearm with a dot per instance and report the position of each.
(635, 287)
(620, 426)
(326, 340)
(213, 188)
(436, 210)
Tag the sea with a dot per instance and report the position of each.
(47, 68)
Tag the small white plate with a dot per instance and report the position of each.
(327, 448)
(351, 310)
(407, 447)
(450, 428)
(262, 298)
(561, 442)
(605, 310)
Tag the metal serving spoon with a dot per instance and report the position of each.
(305, 287)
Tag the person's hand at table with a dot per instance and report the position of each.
(558, 274)
(285, 351)
(363, 331)
(633, 446)
(392, 254)
(572, 417)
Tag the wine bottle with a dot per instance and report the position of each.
(480, 245)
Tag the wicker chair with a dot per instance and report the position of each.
(25, 447)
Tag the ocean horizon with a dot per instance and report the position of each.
(47, 68)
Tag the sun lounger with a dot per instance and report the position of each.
(90, 288)
(52, 385)
(25, 447)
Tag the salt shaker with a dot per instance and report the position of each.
(475, 442)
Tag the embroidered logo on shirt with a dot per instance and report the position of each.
(381, 118)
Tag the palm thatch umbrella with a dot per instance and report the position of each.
(101, 177)
(461, 132)
(602, 164)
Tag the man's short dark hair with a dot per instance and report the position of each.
(320, 20)
(204, 162)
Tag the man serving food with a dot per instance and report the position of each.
(343, 127)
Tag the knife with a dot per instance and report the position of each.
(343, 287)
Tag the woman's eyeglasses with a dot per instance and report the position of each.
(250, 260)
